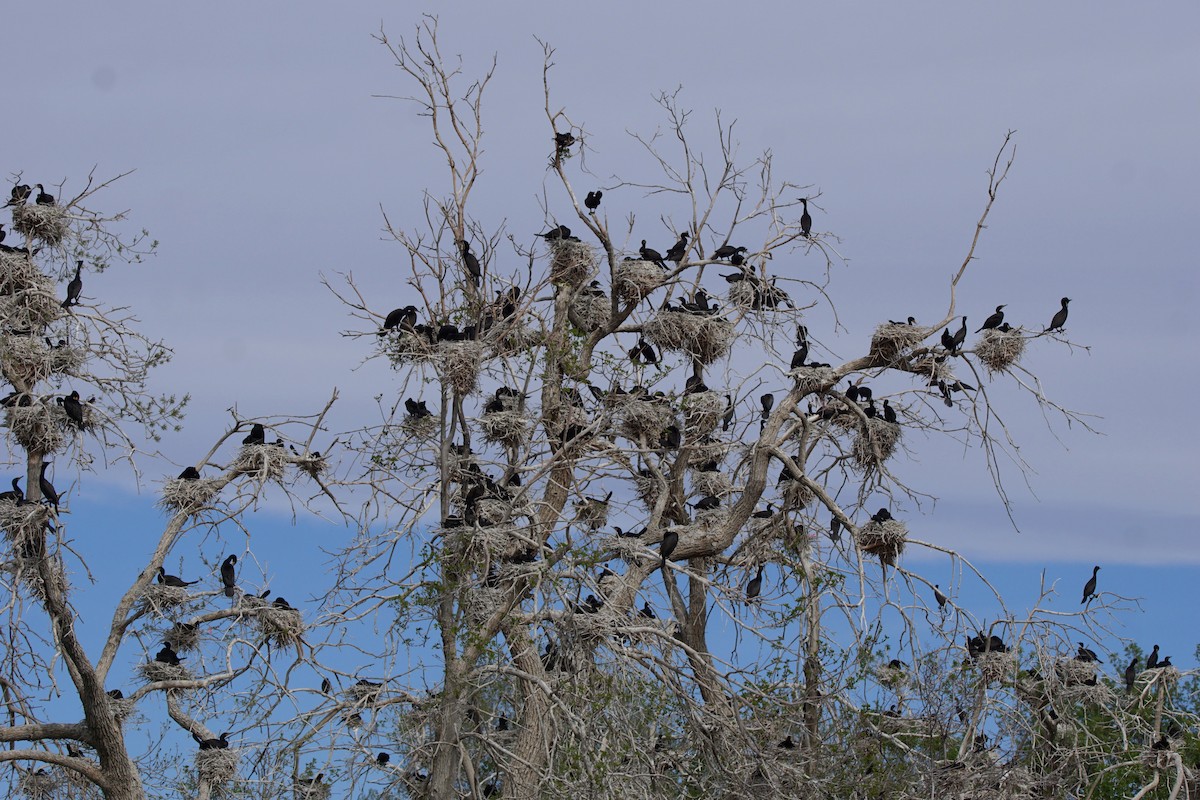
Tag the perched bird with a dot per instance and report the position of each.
(787, 744)
(43, 197)
(647, 612)
(382, 759)
(754, 587)
(643, 353)
(678, 250)
(220, 743)
(727, 250)
(563, 141)
(592, 201)
(727, 419)
(417, 408)
(1089, 588)
(470, 262)
(800, 356)
(20, 194)
(1152, 659)
(48, 494)
(73, 408)
(670, 541)
(650, 254)
(671, 438)
(835, 528)
(993, 321)
(74, 287)
(1131, 673)
(1164, 664)
(889, 413)
(167, 655)
(941, 598)
(805, 219)
(560, 234)
(15, 495)
(960, 336)
(1060, 317)
(229, 576)
(189, 474)
(403, 318)
(882, 515)
(172, 580)
(257, 435)
(1163, 743)
(1087, 655)
(281, 604)
(708, 503)
(326, 686)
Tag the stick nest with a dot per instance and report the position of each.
(590, 312)
(707, 449)
(40, 785)
(183, 637)
(121, 709)
(282, 626)
(571, 263)
(27, 361)
(17, 273)
(216, 765)
(312, 791)
(48, 224)
(508, 428)
(408, 346)
(744, 294)
(363, 695)
(999, 350)
(160, 599)
(1074, 672)
(480, 602)
(645, 418)
(715, 483)
(188, 497)
(155, 671)
(27, 569)
(591, 513)
(422, 427)
(711, 517)
(24, 524)
(702, 412)
(813, 379)
(996, 667)
(492, 511)
(891, 340)
(264, 461)
(797, 493)
(879, 436)
(33, 306)
(647, 488)
(40, 427)
(637, 279)
(460, 362)
(702, 336)
(883, 539)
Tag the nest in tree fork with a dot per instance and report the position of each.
(216, 765)
(714, 483)
(48, 224)
(188, 497)
(590, 312)
(1075, 672)
(24, 524)
(492, 511)
(704, 337)
(283, 627)
(40, 785)
(183, 637)
(422, 427)
(155, 671)
(18, 272)
(264, 461)
(875, 443)
(33, 306)
(647, 487)
(702, 412)
(999, 350)
(160, 599)
(40, 427)
(460, 363)
(508, 428)
(571, 263)
(27, 361)
(306, 790)
(361, 694)
(996, 667)
(28, 569)
(743, 293)
(637, 279)
(121, 708)
(645, 418)
(891, 340)
(883, 539)
(406, 346)
(480, 602)
(813, 379)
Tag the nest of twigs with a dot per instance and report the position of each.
(40, 427)
(996, 667)
(28, 361)
(571, 263)
(706, 449)
(1163, 678)
(883, 539)
(999, 350)
(282, 626)
(712, 517)
(47, 224)
(492, 511)
(419, 427)
(264, 461)
(29, 570)
(17, 272)
(646, 418)
(188, 497)
(702, 412)
(311, 790)
(40, 785)
(508, 428)
(121, 708)
(714, 483)
(635, 280)
(744, 293)
(480, 602)
(813, 379)
(21, 522)
(591, 513)
(892, 340)
(183, 637)
(32, 307)
(875, 443)
(797, 493)
(704, 337)
(408, 346)
(647, 488)
(590, 312)
(155, 671)
(312, 465)
(460, 363)
(160, 599)
(216, 765)
(362, 694)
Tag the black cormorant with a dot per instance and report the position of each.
(1089, 588)
(960, 336)
(172, 580)
(189, 474)
(592, 201)
(73, 408)
(805, 219)
(1060, 317)
(993, 321)
(643, 353)
(768, 402)
(20, 194)
(229, 576)
(670, 541)
(1087, 655)
(471, 262)
(754, 587)
(74, 287)
(167, 655)
(941, 598)
(48, 494)
(727, 419)
(220, 743)
(678, 249)
(403, 318)
(257, 435)
(44, 198)
(727, 251)
(1152, 659)
(14, 496)
(1131, 673)
(889, 413)
(650, 254)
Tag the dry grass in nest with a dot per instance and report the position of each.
(155, 671)
(360, 694)
(22, 522)
(999, 350)
(37, 427)
(32, 307)
(491, 511)
(646, 418)
(28, 569)
(879, 436)
(281, 626)
(714, 341)
(480, 602)
(743, 293)
(590, 312)
(408, 346)
(591, 513)
(795, 539)
(264, 461)
(711, 517)
(160, 599)
(460, 362)
(703, 337)
(706, 450)
(216, 765)
(121, 709)
(312, 466)
(1073, 672)
(508, 428)
(813, 379)
(890, 340)
(422, 427)
(647, 488)
(883, 539)
(571, 263)
(41, 785)
(797, 494)
(714, 483)
(183, 637)
(702, 412)
(28, 361)
(188, 497)
(1165, 678)
(996, 667)
(516, 339)
(637, 279)
(47, 224)
(312, 791)
(17, 272)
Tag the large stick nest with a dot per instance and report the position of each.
(24, 524)
(264, 461)
(647, 418)
(18, 272)
(647, 488)
(891, 340)
(590, 312)
(216, 765)
(704, 337)
(637, 279)
(883, 539)
(306, 790)
(460, 362)
(155, 671)
(744, 293)
(875, 443)
(161, 599)
(361, 694)
(571, 263)
(480, 602)
(121, 708)
(27, 361)
(40, 427)
(508, 428)
(183, 637)
(714, 483)
(702, 412)
(999, 350)
(28, 569)
(33, 306)
(283, 627)
(996, 667)
(707, 449)
(40, 785)
(420, 427)
(591, 513)
(813, 379)
(47, 224)
(188, 497)
(492, 511)
(408, 346)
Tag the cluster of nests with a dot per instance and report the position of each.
(980, 777)
(42, 426)
(264, 461)
(28, 360)
(703, 337)
(281, 625)
(891, 340)
(28, 298)
(883, 538)
(189, 496)
(636, 279)
(46, 223)
(1000, 349)
(216, 765)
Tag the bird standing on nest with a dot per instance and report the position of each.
(650, 254)
(994, 320)
(172, 580)
(44, 198)
(257, 435)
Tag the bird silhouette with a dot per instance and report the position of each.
(48, 494)
(257, 435)
(754, 587)
(75, 287)
(44, 198)
(957, 340)
(229, 575)
(167, 655)
(678, 250)
(727, 251)
(19, 195)
(941, 598)
(1089, 588)
(189, 474)
(592, 201)
(650, 254)
(670, 541)
(1060, 317)
(172, 580)
(1152, 659)
(805, 219)
(73, 408)
(471, 262)
(15, 495)
(219, 743)
(994, 321)
(1131, 673)
(402, 318)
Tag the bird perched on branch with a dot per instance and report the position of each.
(670, 541)
(1152, 659)
(941, 598)
(727, 418)
(805, 219)
(15, 495)
(75, 287)
(73, 408)
(172, 580)
(470, 262)
(1089, 588)
(953, 343)
(592, 201)
(889, 413)
(994, 321)
(219, 743)
(727, 251)
(49, 495)
(678, 250)
(229, 575)
(558, 234)
(1060, 317)
(19, 195)
(754, 587)
(882, 515)
(1131, 673)
(643, 353)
